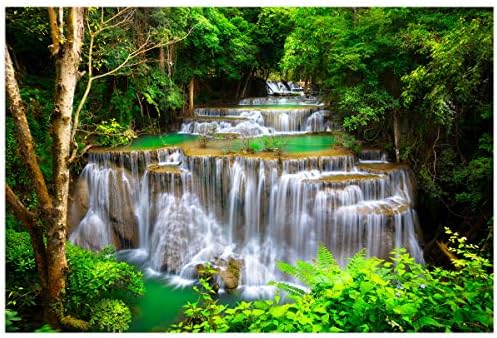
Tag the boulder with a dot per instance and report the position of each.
(229, 272)
(225, 271)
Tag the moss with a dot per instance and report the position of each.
(387, 210)
(382, 168)
(74, 323)
(164, 169)
(345, 178)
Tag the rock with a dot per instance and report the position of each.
(124, 222)
(79, 202)
(230, 273)
(225, 271)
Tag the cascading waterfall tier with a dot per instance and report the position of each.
(258, 116)
(257, 209)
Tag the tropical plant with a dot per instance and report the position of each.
(368, 295)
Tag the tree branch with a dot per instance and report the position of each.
(54, 31)
(35, 231)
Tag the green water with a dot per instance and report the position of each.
(160, 306)
(289, 143)
(303, 143)
(157, 141)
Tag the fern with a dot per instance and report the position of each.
(356, 260)
(325, 260)
(288, 269)
(308, 273)
(292, 290)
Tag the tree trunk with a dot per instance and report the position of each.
(396, 135)
(245, 86)
(162, 64)
(66, 64)
(191, 92)
(170, 59)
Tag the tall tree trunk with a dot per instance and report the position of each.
(66, 64)
(162, 64)
(170, 59)
(191, 93)
(396, 135)
(247, 81)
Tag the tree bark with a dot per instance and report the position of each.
(24, 138)
(245, 86)
(396, 135)
(162, 63)
(191, 93)
(67, 64)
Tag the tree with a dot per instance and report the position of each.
(50, 219)
(47, 225)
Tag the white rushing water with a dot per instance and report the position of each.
(259, 116)
(256, 210)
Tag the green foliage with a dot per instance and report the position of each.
(45, 328)
(112, 134)
(22, 288)
(364, 107)
(255, 147)
(368, 295)
(348, 141)
(92, 276)
(273, 144)
(95, 276)
(207, 134)
(110, 315)
(10, 318)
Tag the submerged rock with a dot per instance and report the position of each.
(221, 272)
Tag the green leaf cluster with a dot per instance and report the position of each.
(92, 277)
(368, 295)
(111, 134)
(110, 315)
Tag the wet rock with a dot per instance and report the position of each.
(79, 202)
(222, 272)
(229, 273)
(124, 222)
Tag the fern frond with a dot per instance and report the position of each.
(292, 290)
(308, 273)
(325, 260)
(288, 269)
(356, 260)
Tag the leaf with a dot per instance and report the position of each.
(428, 321)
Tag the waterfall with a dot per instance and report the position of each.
(263, 210)
(254, 120)
(258, 210)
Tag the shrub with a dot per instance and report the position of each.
(111, 134)
(110, 315)
(368, 295)
(92, 276)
